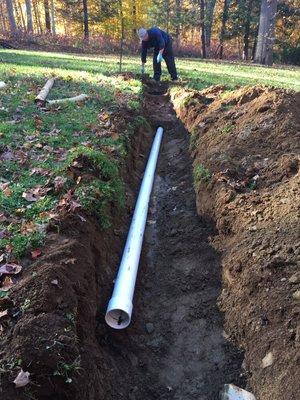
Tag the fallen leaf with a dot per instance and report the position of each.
(74, 205)
(40, 171)
(4, 185)
(3, 313)
(7, 284)
(7, 191)
(59, 183)
(8, 248)
(35, 254)
(35, 194)
(104, 116)
(22, 378)
(28, 227)
(10, 269)
(47, 214)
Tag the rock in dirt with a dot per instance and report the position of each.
(268, 360)
(232, 392)
(296, 295)
(295, 278)
(149, 327)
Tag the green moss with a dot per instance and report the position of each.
(201, 175)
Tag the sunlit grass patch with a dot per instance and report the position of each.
(37, 145)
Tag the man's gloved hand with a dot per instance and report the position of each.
(159, 58)
(142, 69)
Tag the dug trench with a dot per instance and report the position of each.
(175, 347)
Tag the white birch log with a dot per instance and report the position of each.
(75, 99)
(41, 97)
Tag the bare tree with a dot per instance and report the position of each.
(178, 25)
(11, 16)
(47, 15)
(86, 20)
(134, 19)
(19, 14)
(37, 16)
(53, 25)
(249, 5)
(122, 26)
(209, 15)
(223, 26)
(266, 32)
(29, 15)
(202, 27)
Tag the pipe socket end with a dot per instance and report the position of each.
(118, 314)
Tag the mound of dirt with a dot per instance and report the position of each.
(245, 146)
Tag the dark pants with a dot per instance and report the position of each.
(168, 56)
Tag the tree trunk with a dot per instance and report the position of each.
(11, 16)
(134, 28)
(122, 26)
(247, 29)
(209, 15)
(29, 16)
(178, 16)
(167, 8)
(86, 20)
(266, 33)
(202, 27)
(223, 27)
(47, 16)
(53, 26)
(37, 16)
(19, 13)
(254, 44)
(3, 17)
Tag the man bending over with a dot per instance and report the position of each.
(162, 43)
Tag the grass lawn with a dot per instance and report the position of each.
(44, 153)
(39, 148)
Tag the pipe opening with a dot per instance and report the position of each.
(117, 319)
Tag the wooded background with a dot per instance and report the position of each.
(234, 29)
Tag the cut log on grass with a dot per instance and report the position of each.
(75, 99)
(41, 97)
(2, 85)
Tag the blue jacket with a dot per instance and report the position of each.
(157, 38)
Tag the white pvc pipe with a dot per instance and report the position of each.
(119, 309)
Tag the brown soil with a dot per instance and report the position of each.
(175, 344)
(246, 147)
(175, 347)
